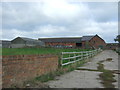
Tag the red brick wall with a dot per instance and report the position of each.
(19, 68)
(59, 43)
(0, 72)
(95, 42)
(83, 44)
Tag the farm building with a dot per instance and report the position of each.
(112, 46)
(5, 44)
(20, 42)
(81, 42)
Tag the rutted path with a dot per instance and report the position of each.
(88, 76)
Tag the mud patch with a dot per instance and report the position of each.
(87, 69)
(109, 59)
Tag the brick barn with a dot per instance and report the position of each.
(82, 42)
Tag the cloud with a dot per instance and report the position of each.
(63, 10)
(59, 18)
(104, 12)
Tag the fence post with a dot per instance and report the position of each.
(94, 52)
(61, 59)
(87, 54)
(84, 53)
(74, 56)
(69, 57)
(91, 53)
(81, 55)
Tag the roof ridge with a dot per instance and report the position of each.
(27, 38)
(60, 37)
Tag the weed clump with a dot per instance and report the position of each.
(107, 76)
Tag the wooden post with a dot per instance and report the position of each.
(61, 59)
(93, 53)
(69, 57)
(90, 54)
(81, 55)
(87, 54)
(74, 56)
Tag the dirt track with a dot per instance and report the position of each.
(85, 78)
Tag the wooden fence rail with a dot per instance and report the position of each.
(72, 57)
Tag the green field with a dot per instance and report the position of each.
(29, 51)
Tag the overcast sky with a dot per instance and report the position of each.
(59, 19)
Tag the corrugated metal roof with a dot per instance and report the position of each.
(29, 39)
(86, 38)
(6, 42)
(69, 39)
(66, 39)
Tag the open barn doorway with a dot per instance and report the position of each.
(78, 44)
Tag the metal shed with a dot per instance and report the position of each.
(5, 44)
(20, 42)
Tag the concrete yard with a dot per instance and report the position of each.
(85, 78)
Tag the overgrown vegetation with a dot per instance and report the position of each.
(106, 76)
(28, 51)
(60, 71)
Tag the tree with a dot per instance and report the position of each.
(117, 38)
